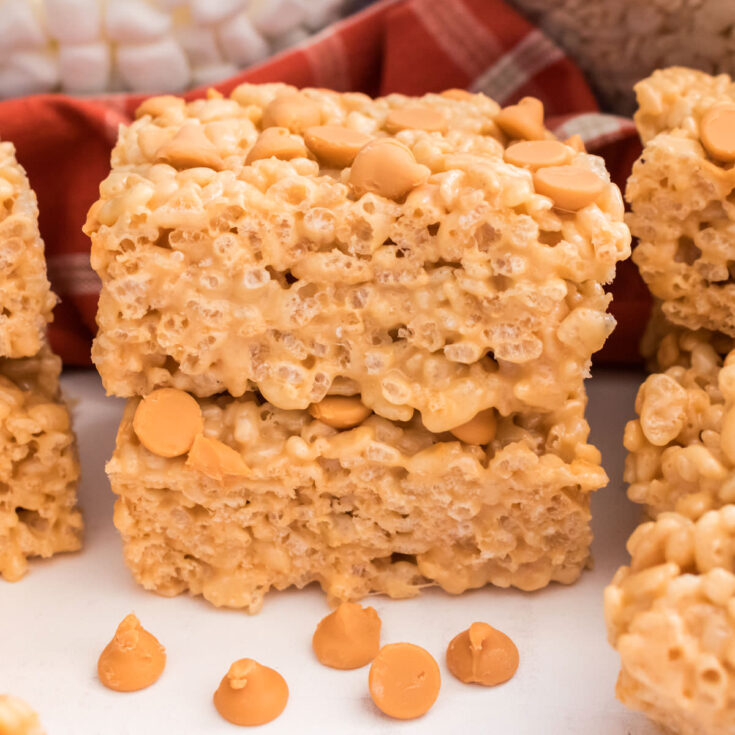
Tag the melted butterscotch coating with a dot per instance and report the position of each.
(348, 638)
(133, 659)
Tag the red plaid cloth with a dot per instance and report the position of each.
(408, 46)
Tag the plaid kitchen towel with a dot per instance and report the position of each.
(408, 46)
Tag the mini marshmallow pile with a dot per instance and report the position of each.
(92, 46)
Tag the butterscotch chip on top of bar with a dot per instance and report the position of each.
(281, 498)
(682, 443)
(38, 465)
(681, 195)
(309, 243)
(671, 617)
(26, 301)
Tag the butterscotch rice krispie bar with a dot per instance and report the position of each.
(681, 194)
(26, 300)
(671, 616)
(17, 718)
(682, 443)
(267, 498)
(38, 465)
(313, 243)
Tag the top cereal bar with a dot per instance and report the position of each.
(26, 300)
(681, 194)
(305, 243)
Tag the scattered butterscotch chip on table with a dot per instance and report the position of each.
(133, 659)
(404, 681)
(251, 694)
(482, 655)
(348, 638)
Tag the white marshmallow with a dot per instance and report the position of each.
(19, 27)
(210, 12)
(84, 68)
(199, 44)
(320, 13)
(289, 38)
(74, 21)
(135, 21)
(275, 17)
(160, 66)
(240, 42)
(212, 74)
(28, 72)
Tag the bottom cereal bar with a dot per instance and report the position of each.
(38, 465)
(671, 616)
(682, 444)
(268, 498)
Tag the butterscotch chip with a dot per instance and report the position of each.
(167, 421)
(478, 430)
(570, 187)
(348, 638)
(215, 459)
(457, 94)
(524, 120)
(295, 112)
(415, 118)
(404, 681)
(388, 168)
(340, 412)
(190, 148)
(482, 655)
(17, 717)
(156, 106)
(335, 145)
(717, 132)
(133, 659)
(251, 694)
(535, 154)
(576, 142)
(276, 143)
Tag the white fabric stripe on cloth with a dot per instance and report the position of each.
(526, 59)
(458, 33)
(72, 274)
(595, 128)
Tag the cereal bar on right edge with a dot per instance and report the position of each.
(681, 195)
(671, 616)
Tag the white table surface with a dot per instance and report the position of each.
(55, 622)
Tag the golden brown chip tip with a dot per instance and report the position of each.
(524, 120)
(575, 141)
(388, 168)
(404, 681)
(535, 154)
(415, 118)
(335, 145)
(215, 459)
(276, 143)
(166, 422)
(340, 412)
(717, 132)
(569, 187)
(190, 148)
(348, 638)
(478, 430)
(132, 660)
(251, 694)
(482, 655)
(296, 112)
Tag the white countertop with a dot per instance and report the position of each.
(55, 622)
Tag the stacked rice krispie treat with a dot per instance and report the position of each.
(38, 461)
(354, 334)
(671, 614)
